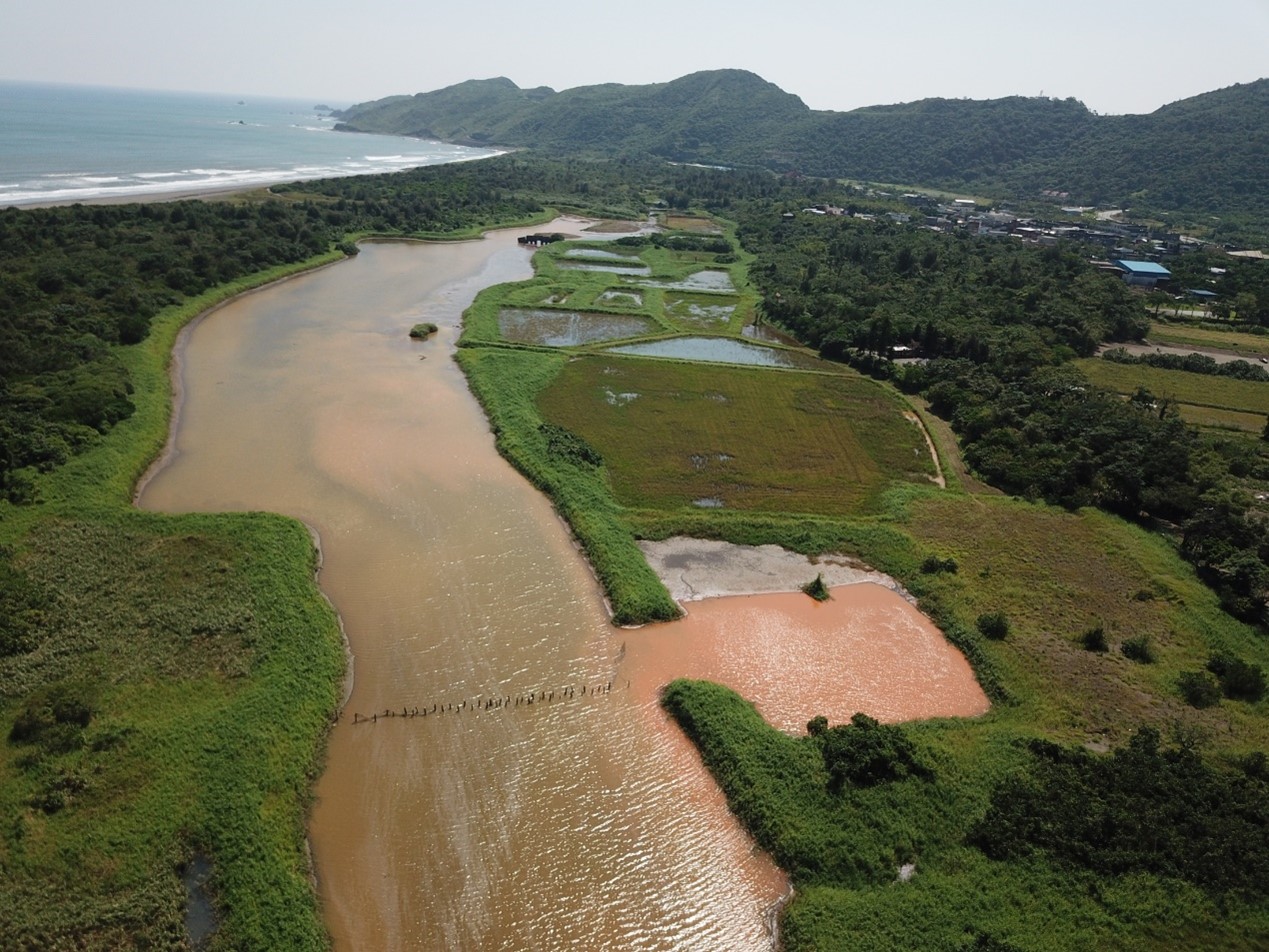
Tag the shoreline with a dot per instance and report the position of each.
(176, 195)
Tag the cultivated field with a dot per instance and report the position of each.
(674, 434)
(1188, 389)
(1253, 345)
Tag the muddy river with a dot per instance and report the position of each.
(537, 798)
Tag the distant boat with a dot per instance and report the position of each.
(241, 102)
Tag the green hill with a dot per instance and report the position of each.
(1203, 154)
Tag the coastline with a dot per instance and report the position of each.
(176, 195)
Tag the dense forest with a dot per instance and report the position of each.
(1200, 155)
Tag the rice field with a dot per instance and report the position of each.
(674, 435)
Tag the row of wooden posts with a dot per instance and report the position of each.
(501, 702)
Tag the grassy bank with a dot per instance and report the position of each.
(183, 675)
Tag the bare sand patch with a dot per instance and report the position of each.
(693, 569)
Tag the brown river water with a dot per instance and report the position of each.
(582, 820)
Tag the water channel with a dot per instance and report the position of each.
(580, 821)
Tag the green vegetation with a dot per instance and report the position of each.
(1186, 335)
(166, 680)
(1200, 156)
(817, 589)
(1181, 386)
(1144, 809)
(999, 325)
(993, 625)
(1012, 583)
(673, 432)
(978, 874)
(423, 331)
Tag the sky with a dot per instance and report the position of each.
(834, 54)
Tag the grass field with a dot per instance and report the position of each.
(1198, 390)
(674, 432)
(1253, 345)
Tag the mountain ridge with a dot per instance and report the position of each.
(1200, 154)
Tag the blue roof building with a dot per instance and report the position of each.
(1144, 274)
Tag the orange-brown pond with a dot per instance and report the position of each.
(580, 820)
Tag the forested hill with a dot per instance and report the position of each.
(1204, 154)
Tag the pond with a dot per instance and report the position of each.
(611, 267)
(700, 311)
(551, 328)
(699, 281)
(722, 350)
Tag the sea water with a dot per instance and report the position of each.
(76, 143)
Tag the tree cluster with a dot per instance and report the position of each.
(865, 752)
(995, 324)
(1143, 808)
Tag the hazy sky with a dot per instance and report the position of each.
(835, 54)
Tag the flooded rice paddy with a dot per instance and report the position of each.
(551, 328)
(700, 312)
(621, 298)
(579, 818)
(722, 350)
(698, 281)
(612, 267)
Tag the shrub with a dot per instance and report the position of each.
(1138, 649)
(564, 444)
(933, 565)
(993, 625)
(817, 589)
(54, 717)
(1199, 689)
(423, 331)
(866, 752)
(1095, 639)
(1239, 680)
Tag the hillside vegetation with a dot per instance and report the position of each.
(1204, 154)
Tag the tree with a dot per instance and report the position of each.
(866, 752)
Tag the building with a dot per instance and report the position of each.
(1143, 274)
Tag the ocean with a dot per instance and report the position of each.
(79, 143)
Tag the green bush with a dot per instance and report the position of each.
(1138, 649)
(1094, 639)
(933, 565)
(1239, 680)
(866, 752)
(817, 589)
(1199, 689)
(993, 625)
